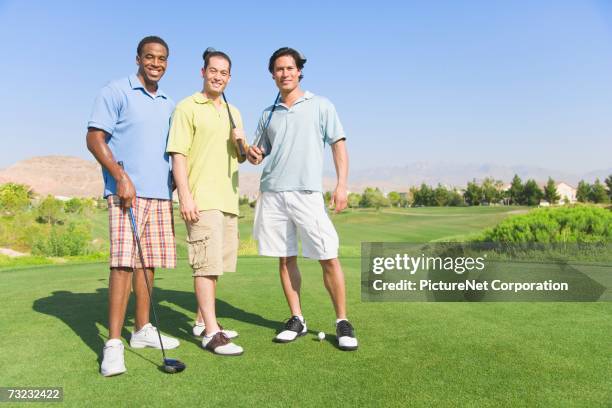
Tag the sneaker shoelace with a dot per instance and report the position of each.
(344, 328)
(294, 324)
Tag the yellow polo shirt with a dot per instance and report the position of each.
(201, 132)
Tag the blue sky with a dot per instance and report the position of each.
(447, 81)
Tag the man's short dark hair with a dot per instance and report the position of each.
(211, 52)
(152, 39)
(287, 51)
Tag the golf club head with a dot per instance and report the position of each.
(173, 366)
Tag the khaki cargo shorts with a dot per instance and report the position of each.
(212, 243)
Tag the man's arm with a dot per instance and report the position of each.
(339, 198)
(96, 143)
(189, 209)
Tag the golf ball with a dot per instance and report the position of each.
(321, 335)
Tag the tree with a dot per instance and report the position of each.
(583, 191)
(327, 198)
(441, 196)
(353, 200)
(455, 199)
(424, 196)
(394, 198)
(550, 192)
(79, 205)
(531, 193)
(14, 198)
(50, 210)
(373, 198)
(490, 194)
(598, 193)
(473, 194)
(609, 186)
(515, 192)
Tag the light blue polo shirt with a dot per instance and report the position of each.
(297, 136)
(137, 123)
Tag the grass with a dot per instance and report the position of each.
(411, 354)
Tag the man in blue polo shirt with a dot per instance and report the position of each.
(294, 133)
(129, 123)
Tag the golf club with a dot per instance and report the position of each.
(264, 134)
(241, 149)
(170, 365)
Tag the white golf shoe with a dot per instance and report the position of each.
(219, 344)
(113, 362)
(200, 328)
(346, 336)
(147, 337)
(294, 328)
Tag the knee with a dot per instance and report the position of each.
(330, 265)
(287, 262)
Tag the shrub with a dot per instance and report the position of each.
(14, 198)
(63, 241)
(577, 224)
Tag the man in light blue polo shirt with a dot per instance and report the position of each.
(292, 135)
(129, 123)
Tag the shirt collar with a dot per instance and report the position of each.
(198, 97)
(136, 84)
(307, 95)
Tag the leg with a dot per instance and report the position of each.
(120, 282)
(142, 296)
(205, 289)
(291, 280)
(333, 277)
(199, 316)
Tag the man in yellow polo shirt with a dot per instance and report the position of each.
(205, 168)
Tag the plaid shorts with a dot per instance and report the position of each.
(156, 228)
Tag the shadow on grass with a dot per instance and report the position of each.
(84, 312)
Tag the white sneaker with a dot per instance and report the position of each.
(199, 330)
(147, 337)
(113, 362)
(218, 343)
(294, 328)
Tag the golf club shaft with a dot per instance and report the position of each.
(265, 134)
(241, 149)
(144, 272)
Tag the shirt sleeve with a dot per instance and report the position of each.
(181, 133)
(106, 110)
(330, 124)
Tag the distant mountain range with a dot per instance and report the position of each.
(457, 175)
(75, 177)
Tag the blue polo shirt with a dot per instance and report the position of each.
(137, 123)
(294, 142)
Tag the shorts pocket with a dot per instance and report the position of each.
(197, 251)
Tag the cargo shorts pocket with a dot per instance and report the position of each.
(197, 250)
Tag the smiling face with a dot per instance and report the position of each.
(286, 74)
(216, 76)
(152, 62)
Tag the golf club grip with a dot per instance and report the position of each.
(241, 149)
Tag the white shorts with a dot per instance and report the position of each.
(280, 216)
